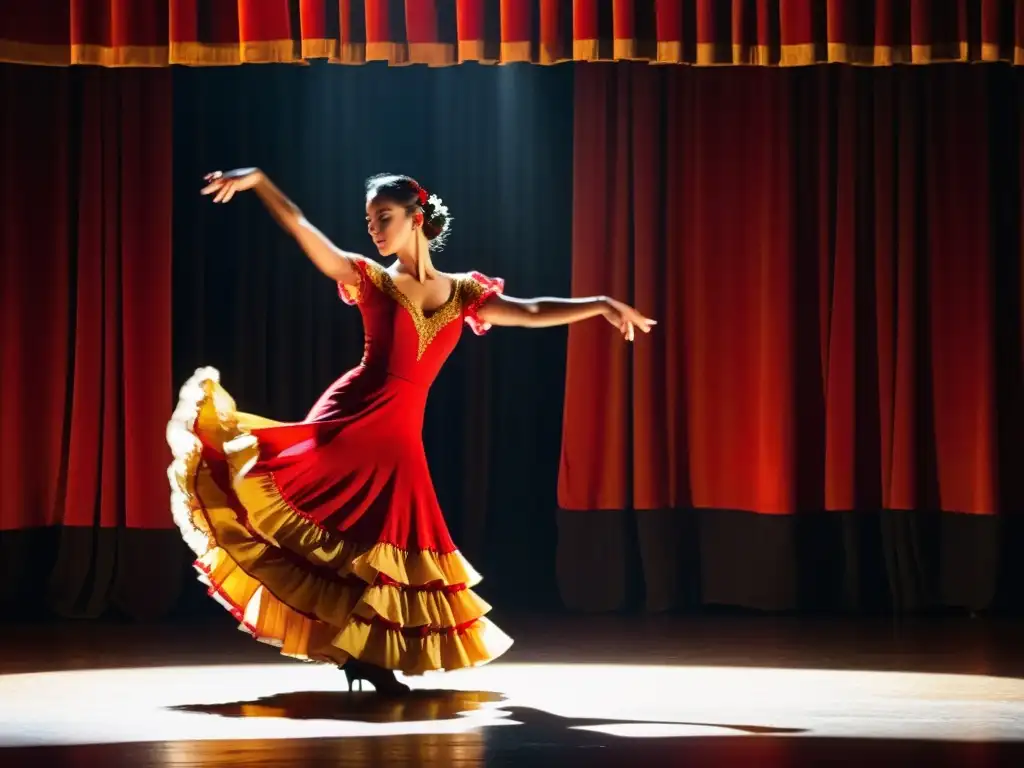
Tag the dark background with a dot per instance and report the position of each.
(496, 145)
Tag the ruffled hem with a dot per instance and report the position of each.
(301, 587)
(353, 294)
(412, 650)
(480, 289)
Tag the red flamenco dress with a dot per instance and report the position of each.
(325, 537)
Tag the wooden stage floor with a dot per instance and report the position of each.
(585, 691)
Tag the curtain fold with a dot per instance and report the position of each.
(85, 348)
(114, 33)
(835, 289)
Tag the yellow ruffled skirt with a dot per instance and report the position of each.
(298, 585)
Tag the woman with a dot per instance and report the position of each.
(325, 537)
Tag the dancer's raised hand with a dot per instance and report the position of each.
(224, 184)
(627, 319)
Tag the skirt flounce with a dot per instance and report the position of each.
(304, 588)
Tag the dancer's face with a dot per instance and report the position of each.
(391, 226)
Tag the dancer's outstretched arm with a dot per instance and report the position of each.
(546, 312)
(328, 258)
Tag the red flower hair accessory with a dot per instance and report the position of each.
(421, 193)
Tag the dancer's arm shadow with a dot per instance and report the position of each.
(538, 719)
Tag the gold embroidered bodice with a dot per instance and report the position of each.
(399, 336)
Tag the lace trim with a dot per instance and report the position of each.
(477, 289)
(353, 294)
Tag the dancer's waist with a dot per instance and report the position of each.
(380, 372)
(418, 384)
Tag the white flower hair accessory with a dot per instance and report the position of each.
(437, 205)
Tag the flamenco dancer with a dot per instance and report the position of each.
(325, 537)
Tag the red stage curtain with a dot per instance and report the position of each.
(85, 260)
(834, 256)
(440, 32)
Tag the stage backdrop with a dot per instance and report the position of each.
(115, 33)
(829, 414)
(832, 209)
(85, 300)
(496, 145)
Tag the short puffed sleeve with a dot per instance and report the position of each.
(352, 293)
(476, 290)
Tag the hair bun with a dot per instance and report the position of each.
(436, 220)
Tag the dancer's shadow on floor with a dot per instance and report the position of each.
(360, 707)
(434, 705)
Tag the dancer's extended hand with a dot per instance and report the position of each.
(223, 184)
(627, 319)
